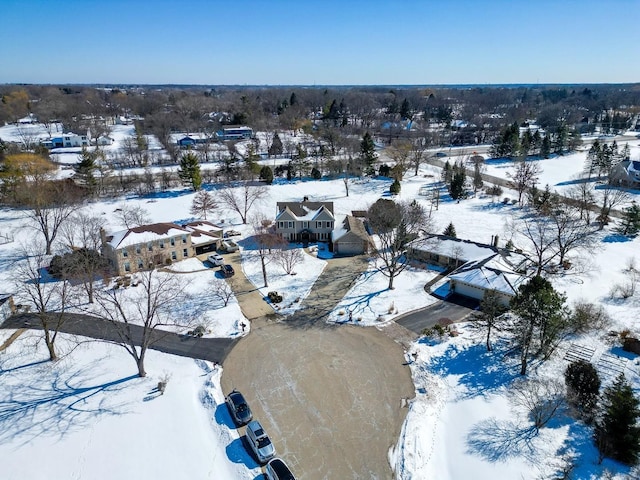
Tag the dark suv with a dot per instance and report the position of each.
(227, 271)
(238, 408)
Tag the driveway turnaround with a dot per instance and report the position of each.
(212, 349)
(443, 311)
(331, 397)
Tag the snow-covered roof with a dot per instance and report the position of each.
(144, 234)
(492, 273)
(305, 211)
(203, 232)
(349, 224)
(463, 250)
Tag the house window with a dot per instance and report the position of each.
(184, 239)
(161, 243)
(174, 256)
(127, 267)
(290, 224)
(140, 264)
(305, 224)
(150, 246)
(138, 249)
(125, 254)
(185, 252)
(173, 242)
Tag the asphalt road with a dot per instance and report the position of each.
(212, 349)
(443, 311)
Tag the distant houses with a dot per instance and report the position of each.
(67, 140)
(235, 132)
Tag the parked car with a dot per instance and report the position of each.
(260, 442)
(278, 470)
(215, 259)
(227, 271)
(238, 408)
(231, 233)
(441, 154)
(230, 245)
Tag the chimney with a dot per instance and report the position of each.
(305, 199)
(495, 241)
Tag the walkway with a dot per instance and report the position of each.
(249, 297)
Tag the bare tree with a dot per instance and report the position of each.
(543, 399)
(538, 231)
(203, 203)
(572, 232)
(48, 297)
(288, 258)
(611, 198)
(395, 225)
(50, 204)
(139, 318)
(131, 216)
(81, 234)
(266, 240)
(222, 289)
(242, 198)
(418, 153)
(491, 309)
(582, 196)
(524, 176)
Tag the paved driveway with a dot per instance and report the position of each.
(330, 396)
(212, 349)
(450, 310)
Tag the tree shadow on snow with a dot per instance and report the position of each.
(481, 372)
(499, 440)
(55, 402)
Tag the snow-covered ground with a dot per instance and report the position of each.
(453, 428)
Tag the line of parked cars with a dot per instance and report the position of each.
(257, 438)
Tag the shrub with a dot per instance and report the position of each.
(316, 174)
(394, 189)
(274, 297)
(494, 191)
(583, 387)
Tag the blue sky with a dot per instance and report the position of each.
(321, 42)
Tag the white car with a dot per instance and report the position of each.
(230, 245)
(215, 259)
(260, 442)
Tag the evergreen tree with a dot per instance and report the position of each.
(394, 189)
(458, 180)
(542, 319)
(545, 148)
(293, 99)
(617, 434)
(276, 147)
(477, 178)
(266, 174)
(583, 387)
(189, 170)
(405, 110)
(630, 224)
(86, 167)
(447, 173)
(561, 139)
(450, 231)
(316, 174)
(368, 150)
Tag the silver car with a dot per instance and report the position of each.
(260, 442)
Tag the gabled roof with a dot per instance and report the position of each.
(461, 249)
(305, 210)
(491, 273)
(203, 232)
(350, 225)
(144, 234)
(300, 209)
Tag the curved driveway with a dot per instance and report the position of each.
(330, 396)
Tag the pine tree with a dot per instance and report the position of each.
(477, 178)
(456, 189)
(447, 173)
(405, 110)
(394, 189)
(630, 224)
(276, 147)
(368, 150)
(450, 231)
(545, 148)
(266, 174)
(583, 387)
(189, 170)
(617, 434)
(86, 167)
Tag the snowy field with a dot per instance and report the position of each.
(69, 414)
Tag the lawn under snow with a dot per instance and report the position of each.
(456, 427)
(89, 416)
